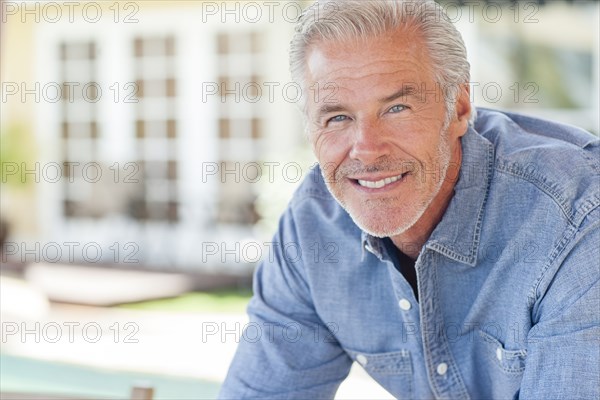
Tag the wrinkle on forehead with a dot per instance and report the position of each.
(367, 56)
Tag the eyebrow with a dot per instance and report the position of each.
(330, 108)
(405, 91)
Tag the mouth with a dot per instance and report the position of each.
(380, 183)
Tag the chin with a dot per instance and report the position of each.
(385, 222)
(383, 217)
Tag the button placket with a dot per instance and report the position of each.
(444, 375)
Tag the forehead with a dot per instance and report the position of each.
(400, 55)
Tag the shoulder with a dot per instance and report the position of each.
(312, 187)
(313, 207)
(313, 192)
(559, 160)
(493, 122)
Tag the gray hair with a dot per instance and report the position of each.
(346, 19)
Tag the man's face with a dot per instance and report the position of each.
(379, 128)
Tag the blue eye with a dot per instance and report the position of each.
(397, 108)
(337, 118)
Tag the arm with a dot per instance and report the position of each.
(563, 359)
(294, 357)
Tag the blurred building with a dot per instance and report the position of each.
(166, 135)
(155, 127)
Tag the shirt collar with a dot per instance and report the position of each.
(457, 235)
(371, 244)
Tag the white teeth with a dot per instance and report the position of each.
(379, 184)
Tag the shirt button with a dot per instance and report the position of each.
(499, 353)
(362, 360)
(442, 368)
(405, 304)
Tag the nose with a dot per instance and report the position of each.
(370, 143)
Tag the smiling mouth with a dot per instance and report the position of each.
(380, 183)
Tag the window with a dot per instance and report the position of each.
(80, 129)
(240, 124)
(156, 130)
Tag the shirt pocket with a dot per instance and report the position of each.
(509, 361)
(392, 370)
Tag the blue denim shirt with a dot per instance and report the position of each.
(509, 299)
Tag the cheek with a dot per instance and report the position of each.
(330, 149)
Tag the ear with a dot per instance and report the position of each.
(463, 109)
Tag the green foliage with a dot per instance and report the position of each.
(226, 301)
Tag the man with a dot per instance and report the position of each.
(451, 255)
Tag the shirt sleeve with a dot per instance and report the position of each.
(286, 350)
(563, 349)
